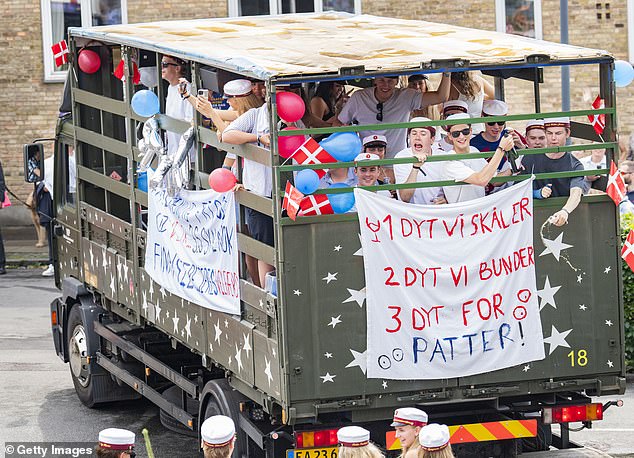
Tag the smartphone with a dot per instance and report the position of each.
(204, 93)
(183, 87)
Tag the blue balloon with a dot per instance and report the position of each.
(142, 181)
(307, 181)
(623, 73)
(343, 146)
(343, 202)
(145, 103)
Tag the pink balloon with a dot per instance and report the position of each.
(290, 106)
(88, 61)
(222, 180)
(288, 145)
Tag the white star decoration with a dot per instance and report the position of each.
(328, 355)
(175, 320)
(119, 269)
(610, 363)
(337, 248)
(218, 331)
(238, 357)
(609, 323)
(144, 303)
(330, 277)
(247, 346)
(151, 289)
(104, 260)
(555, 247)
(327, 378)
(226, 323)
(112, 284)
(557, 339)
(92, 257)
(384, 384)
(358, 361)
(267, 370)
(356, 296)
(297, 292)
(188, 326)
(527, 368)
(334, 321)
(579, 279)
(359, 252)
(157, 311)
(582, 307)
(163, 293)
(547, 294)
(607, 270)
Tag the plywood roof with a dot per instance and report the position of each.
(317, 43)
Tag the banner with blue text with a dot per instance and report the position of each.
(191, 247)
(450, 288)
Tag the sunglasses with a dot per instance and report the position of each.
(379, 115)
(167, 64)
(501, 124)
(465, 132)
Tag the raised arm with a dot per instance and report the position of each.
(441, 94)
(483, 177)
(561, 217)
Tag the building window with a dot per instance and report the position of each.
(58, 15)
(257, 7)
(519, 17)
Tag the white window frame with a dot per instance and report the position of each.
(233, 7)
(630, 30)
(51, 74)
(500, 17)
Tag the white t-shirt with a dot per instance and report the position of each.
(177, 108)
(433, 172)
(460, 171)
(362, 108)
(444, 145)
(589, 165)
(256, 177)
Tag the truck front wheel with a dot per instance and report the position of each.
(87, 385)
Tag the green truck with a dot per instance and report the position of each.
(281, 369)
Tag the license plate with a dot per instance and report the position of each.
(330, 452)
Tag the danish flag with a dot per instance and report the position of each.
(627, 252)
(598, 121)
(312, 153)
(136, 77)
(616, 187)
(315, 204)
(292, 200)
(60, 53)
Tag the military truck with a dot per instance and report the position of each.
(281, 369)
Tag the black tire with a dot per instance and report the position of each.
(87, 385)
(224, 400)
(173, 394)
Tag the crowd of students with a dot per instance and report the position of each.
(418, 438)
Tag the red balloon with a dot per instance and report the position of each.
(290, 106)
(88, 61)
(288, 145)
(222, 180)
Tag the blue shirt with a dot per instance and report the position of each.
(484, 146)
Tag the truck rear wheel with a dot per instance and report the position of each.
(86, 384)
(224, 400)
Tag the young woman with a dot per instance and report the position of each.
(434, 442)
(408, 422)
(326, 100)
(473, 89)
(354, 442)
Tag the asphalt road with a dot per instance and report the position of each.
(38, 402)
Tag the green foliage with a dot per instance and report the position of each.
(627, 224)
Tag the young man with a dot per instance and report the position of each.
(385, 103)
(475, 172)
(489, 138)
(218, 437)
(115, 443)
(368, 175)
(377, 144)
(557, 132)
(449, 108)
(421, 146)
(535, 134)
(408, 422)
(177, 107)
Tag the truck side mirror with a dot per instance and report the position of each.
(33, 162)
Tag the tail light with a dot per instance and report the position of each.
(569, 414)
(310, 439)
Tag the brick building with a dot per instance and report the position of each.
(30, 90)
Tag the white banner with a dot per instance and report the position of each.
(450, 288)
(191, 247)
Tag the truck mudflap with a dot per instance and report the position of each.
(479, 432)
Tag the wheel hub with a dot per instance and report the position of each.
(79, 355)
